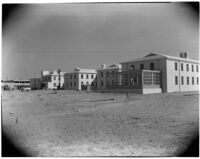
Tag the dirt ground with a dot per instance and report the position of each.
(72, 123)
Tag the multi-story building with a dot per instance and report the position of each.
(156, 73)
(81, 79)
(48, 80)
(108, 76)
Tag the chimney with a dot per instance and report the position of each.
(103, 66)
(184, 55)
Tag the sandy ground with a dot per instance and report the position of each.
(71, 123)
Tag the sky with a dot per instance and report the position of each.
(51, 36)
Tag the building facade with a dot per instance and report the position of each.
(162, 73)
(108, 76)
(80, 79)
(48, 80)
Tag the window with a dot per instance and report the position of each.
(141, 66)
(151, 78)
(101, 74)
(176, 66)
(197, 68)
(70, 84)
(101, 83)
(188, 82)
(54, 84)
(67, 84)
(192, 68)
(70, 76)
(176, 80)
(132, 67)
(87, 76)
(112, 82)
(182, 80)
(192, 80)
(187, 66)
(81, 76)
(81, 83)
(74, 76)
(92, 84)
(197, 80)
(91, 76)
(74, 84)
(87, 83)
(181, 66)
(151, 66)
(54, 78)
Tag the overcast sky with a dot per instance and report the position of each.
(51, 36)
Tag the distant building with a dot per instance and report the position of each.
(14, 84)
(48, 80)
(108, 76)
(81, 79)
(156, 73)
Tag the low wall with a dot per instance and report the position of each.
(151, 90)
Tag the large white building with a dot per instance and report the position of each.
(48, 80)
(156, 73)
(80, 79)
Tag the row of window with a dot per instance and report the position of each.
(82, 76)
(151, 66)
(70, 84)
(187, 67)
(187, 79)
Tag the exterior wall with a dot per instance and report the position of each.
(35, 83)
(71, 82)
(87, 81)
(51, 81)
(106, 79)
(179, 87)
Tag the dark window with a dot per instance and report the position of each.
(67, 84)
(187, 66)
(176, 66)
(182, 80)
(70, 76)
(192, 80)
(74, 84)
(92, 84)
(101, 83)
(188, 82)
(101, 74)
(74, 76)
(81, 76)
(181, 66)
(197, 68)
(197, 80)
(132, 67)
(87, 76)
(81, 83)
(141, 66)
(54, 77)
(151, 66)
(87, 83)
(176, 80)
(192, 68)
(70, 84)
(91, 76)
(112, 82)
(54, 84)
